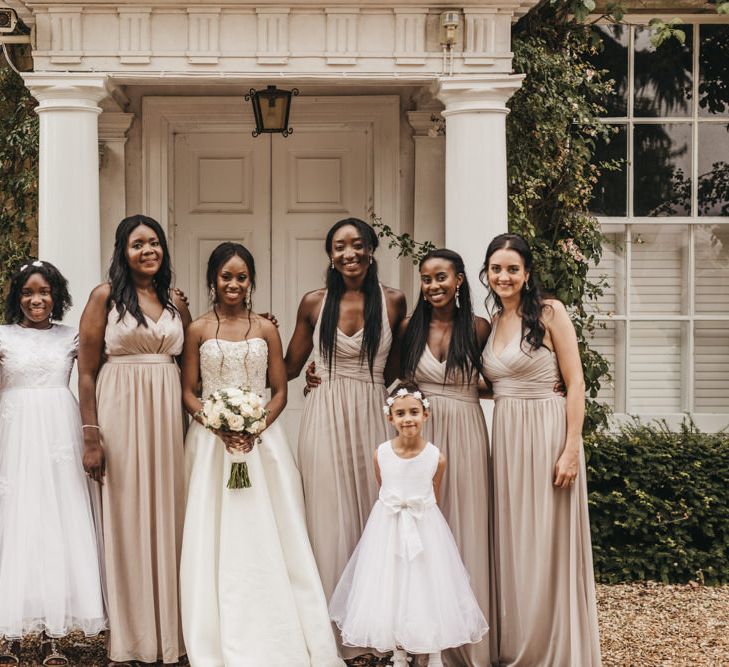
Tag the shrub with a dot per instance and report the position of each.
(659, 504)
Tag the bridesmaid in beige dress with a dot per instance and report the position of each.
(543, 554)
(349, 326)
(441, 345)
(131, 405)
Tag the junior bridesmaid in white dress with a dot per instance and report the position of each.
(50, 578)
(405, 589)
(250, 591)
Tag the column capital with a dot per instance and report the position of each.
(425, 123)
(114, 125)
(68, 92)
(468, 94)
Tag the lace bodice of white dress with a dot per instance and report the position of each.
(36, 357)
(227, 363)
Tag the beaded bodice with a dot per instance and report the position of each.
(36, 357)
(227, 363)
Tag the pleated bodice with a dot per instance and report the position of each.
(348, 361)
(127, 336)
(430, 376)
(520, 373)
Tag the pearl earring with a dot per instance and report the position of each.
(371, 259)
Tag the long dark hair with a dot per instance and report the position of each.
(218, 257)
(123, 293)
(372, 302)
(464, 355)
(532, 304)
(59, 290)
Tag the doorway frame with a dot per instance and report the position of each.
(163, 117)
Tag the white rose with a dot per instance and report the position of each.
(236, 401)
(214, 419)
(246, 410)
(259, 412)
(258, 426)
(235, 422)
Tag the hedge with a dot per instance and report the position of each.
(659, 504)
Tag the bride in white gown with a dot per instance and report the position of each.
(250, 591)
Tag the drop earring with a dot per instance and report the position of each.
(371, 259)
(212, 294)
(526, 286)
(331, 264)
(248, 298)
(458, 295)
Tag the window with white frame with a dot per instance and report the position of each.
(665, 214)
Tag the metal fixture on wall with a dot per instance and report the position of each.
(271, 108)
(449, 22)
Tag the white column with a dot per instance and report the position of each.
(113, 127)
(475, 182)
(68, 200)
(429, 176)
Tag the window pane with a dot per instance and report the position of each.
(663, 80)
(610, 194)
(659, 270)
(714, 70)
(613, 57)
(611, 269)
(655, 367)
(609, 341)
(711, 366)
(713, 194)
(711, 243)
(662, 169)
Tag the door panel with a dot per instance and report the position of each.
(222, 193)
(278, 196)
(322, 174)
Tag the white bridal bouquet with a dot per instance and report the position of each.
(235, 410)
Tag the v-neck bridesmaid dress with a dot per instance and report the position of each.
(543, 553)
(458, 428)
(139, 408)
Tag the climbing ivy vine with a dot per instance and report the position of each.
(19, 165)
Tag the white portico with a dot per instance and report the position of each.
(141, 107)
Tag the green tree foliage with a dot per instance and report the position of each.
(19, 183)
(659, 508)
(552, 132)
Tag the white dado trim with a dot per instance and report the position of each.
(163, 117)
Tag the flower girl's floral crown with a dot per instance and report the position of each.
(404, 392)
(37, 263)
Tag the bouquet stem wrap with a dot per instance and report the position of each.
(239, 473)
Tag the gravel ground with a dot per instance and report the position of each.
(641, 625)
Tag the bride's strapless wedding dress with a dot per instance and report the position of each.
(250, 591)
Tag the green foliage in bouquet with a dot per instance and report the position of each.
(659, 507)
(19, 167)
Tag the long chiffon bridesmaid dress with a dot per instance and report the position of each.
(543, 553)
(139, 407)
(341, 427)
(458, 428)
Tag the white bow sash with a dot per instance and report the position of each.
(408, 511)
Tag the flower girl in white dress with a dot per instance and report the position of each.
(250, 591)
(405, 589)
(50, 578)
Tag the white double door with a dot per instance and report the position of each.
(278, 197)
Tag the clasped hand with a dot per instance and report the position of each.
(237, 442)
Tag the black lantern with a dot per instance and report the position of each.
(271, 109)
